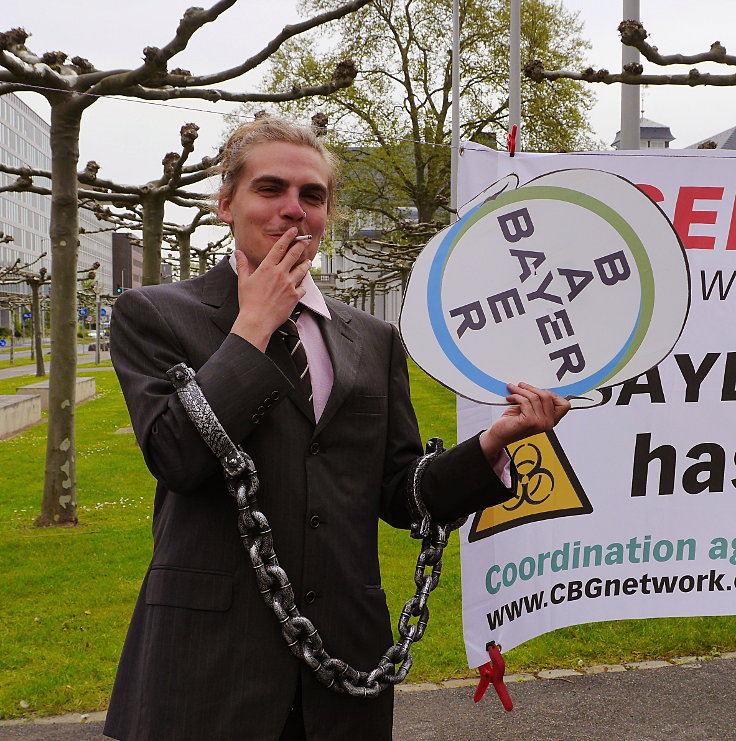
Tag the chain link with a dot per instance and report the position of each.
(300, 635)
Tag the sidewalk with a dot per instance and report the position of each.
(30, 368)
(692, 701)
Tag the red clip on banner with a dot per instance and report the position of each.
(492, 673)
(512, 140)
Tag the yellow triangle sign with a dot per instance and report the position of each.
(546, 488)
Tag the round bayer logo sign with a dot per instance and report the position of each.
(573, 282)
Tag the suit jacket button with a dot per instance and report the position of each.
(261, 409)
(309, 597)
(255, 419)
(314, 449)
(275, 395)
(314, 521)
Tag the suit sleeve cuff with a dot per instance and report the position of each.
(461, 481)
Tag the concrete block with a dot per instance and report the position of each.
(648, 665)
(451, 684)
(604, 668)
(557, 673)
(519, 677)
(86, 389)
(18, 413)
(418, 687)
(687, 659)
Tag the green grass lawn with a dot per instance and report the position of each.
(67, 594)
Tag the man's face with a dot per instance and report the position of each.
(283, 185)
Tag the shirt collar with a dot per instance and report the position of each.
(312, 299)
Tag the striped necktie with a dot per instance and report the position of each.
(289, 331)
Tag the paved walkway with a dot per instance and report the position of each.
(29, 369)
(656, 701)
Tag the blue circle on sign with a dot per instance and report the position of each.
(3, 343)
(83, 312)
(103, 312)
(27, 315)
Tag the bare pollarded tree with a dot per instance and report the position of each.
(26, 273)
(179, 238)
(634, 34)
(379, 262)
(23, 273)
(208, 255)
(70, 87)
(144, 204)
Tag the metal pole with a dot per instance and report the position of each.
(455, 142)
(515, 71)
(12, 335)
(97, 324)
(630, 123)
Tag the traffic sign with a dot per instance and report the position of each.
(26, 314)
(103, 312)
(83, 312)
(3, 343)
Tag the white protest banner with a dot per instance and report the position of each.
(628, 510)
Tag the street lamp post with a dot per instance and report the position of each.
(630, 124)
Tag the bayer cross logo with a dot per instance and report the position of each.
(572, 282)
(535, 483)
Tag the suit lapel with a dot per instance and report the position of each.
(345, 348)
(221, 291)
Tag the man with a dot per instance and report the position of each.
(204, 656)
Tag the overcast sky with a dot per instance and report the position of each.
(674, 26)
(128, 138)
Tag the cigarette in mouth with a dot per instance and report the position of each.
(302, 237)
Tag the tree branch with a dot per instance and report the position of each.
(214, 95)
(634, 34)
(535, 71)
(286, 33)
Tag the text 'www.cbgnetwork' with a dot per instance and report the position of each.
(572, 591)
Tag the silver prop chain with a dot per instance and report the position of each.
(299, 633)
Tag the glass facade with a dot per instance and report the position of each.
(24, 142)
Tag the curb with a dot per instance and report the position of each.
(686, 662)
(691, 662)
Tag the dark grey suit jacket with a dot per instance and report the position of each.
(204, 657)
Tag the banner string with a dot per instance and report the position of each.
(126, 99)
(467, 146)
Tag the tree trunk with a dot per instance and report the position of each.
(373, 297)
(37, 325)
(59, 506)
(185, 255)
(203, 261)
(153, 220)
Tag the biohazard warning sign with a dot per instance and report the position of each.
(546, 487)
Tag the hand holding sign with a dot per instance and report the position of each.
(533, 411)
(554, 282)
